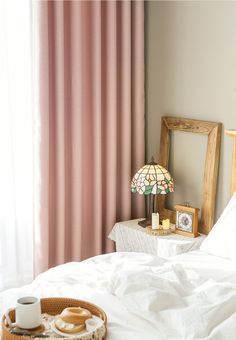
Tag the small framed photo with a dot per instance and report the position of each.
(186, 220)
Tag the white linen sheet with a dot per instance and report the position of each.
(191, 296)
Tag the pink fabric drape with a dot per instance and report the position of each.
(92, 124)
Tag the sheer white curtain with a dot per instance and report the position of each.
(16, 147)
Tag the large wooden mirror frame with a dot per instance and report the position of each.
(213, 131)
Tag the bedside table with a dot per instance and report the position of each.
(129, 236)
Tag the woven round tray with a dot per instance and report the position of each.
(53, 306)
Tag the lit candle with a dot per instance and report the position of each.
(155, 221)
(166, 224)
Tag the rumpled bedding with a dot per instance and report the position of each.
(145, 297)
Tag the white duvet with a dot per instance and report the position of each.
(192, 296)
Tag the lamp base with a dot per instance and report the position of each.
(144, 223)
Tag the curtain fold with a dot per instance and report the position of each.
(91, 98)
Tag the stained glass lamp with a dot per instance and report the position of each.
(152, 179)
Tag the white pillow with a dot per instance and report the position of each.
(221, 240)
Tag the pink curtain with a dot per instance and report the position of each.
(91, 124)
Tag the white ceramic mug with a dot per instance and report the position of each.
(27, 313)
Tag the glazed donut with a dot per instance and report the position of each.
(75, 315)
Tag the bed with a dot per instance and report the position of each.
(189, 296)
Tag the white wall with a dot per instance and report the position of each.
(191, 72)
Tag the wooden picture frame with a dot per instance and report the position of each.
(188, 214)
(213, 131)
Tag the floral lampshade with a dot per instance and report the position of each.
(152, 179)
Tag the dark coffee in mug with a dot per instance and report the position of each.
(27, 303)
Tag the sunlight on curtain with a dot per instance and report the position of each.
(16, 149)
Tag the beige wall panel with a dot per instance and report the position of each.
(191, 72)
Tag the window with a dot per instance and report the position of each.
(16, 144)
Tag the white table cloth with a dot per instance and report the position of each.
(129, 236)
